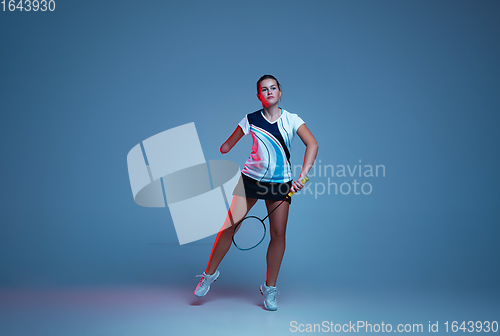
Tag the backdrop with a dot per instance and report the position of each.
(402, 98)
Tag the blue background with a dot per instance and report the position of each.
(411, 85)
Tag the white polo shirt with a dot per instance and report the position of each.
(272, 143)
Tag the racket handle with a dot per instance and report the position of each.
(304, 180)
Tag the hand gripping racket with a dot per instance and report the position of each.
(251, 230)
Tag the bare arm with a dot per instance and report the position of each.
(311, 150)
(232, 140)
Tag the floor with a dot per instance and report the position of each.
(238, 311)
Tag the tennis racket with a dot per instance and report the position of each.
(251, 230)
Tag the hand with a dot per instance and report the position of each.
(297, 185)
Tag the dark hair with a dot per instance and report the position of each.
(267, 77)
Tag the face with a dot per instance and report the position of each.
(269, 93)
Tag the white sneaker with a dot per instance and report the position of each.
(205, 282)
(269, 293)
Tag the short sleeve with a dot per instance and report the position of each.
(244, 125)
(296, 122)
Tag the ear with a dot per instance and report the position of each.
(258, 97)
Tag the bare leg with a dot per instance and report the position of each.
(276, 249)
(237, 211)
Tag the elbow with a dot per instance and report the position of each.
(314, 146)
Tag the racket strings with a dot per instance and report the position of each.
(249, 233)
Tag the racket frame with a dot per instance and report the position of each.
(236, 230)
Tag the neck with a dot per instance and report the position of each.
(272, 111)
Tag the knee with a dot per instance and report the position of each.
(228, 231)
(278, 236)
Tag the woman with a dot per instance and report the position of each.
(266, 175)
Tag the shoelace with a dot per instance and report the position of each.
(203, 276)
(273, 292)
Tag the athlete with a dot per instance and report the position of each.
(267, 175)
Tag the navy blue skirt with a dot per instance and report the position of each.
(248, 187)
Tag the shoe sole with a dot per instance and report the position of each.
(261, 292)
(200, 296)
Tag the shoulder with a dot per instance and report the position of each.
(254, 116)
(293, 120)
(290, 116)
